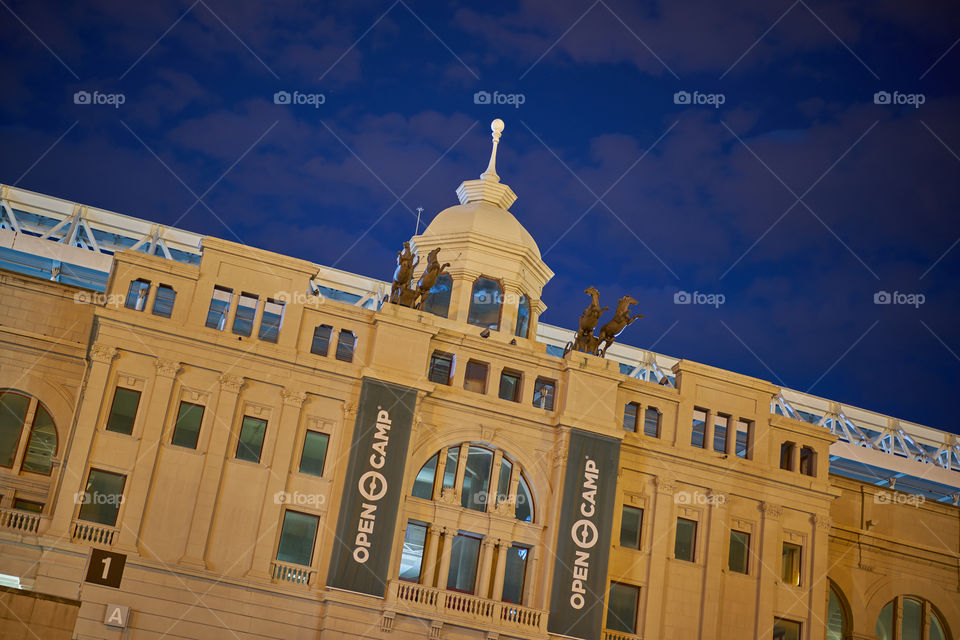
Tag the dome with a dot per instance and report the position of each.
(480, 218)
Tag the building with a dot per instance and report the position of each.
(200, 439)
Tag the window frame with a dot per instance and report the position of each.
(632, 410)
(176, 421)
(639, 538)
(33, 425)
(157, 297)
(636, 607)
(313, 547)
(141, 302)
(225, 314)
(313, 340)
(499, 305)
(468, 380)
(437, 356)
(518, 387)
(239, 331)
(303, 448)
(243, 419)
(123, 488)
(659, 421)
(693, 542)
(746, 553)
(19, 439)
(539, 384)
(136, 411)
(796, 566)
(341, 344)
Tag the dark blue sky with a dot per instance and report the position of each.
(797, 199)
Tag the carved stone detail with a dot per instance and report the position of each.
(103, 353)
(232, 384)
(770, 510)
(821, 522)
(293, 398)
(506, 509)
(665, 485)
(560, 454)
(450, 496)
(167, 368)
(386, 621)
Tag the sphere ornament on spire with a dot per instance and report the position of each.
(491, 173)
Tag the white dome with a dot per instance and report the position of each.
(482, 218)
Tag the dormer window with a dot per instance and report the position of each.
(485, 302)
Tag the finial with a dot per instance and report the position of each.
(491, 173)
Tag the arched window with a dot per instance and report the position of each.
(438, 300)
(485, 301)
(523, 318)
(838, 626)
(18, 412)
(903, 619)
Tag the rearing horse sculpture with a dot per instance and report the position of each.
(433, 271)
(621, 319)
(407, 261)
(585, 340)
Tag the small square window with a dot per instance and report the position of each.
(686, 542)
(123, 412)
(163, 301)
(543, 392)
(786, 456)
(219, 308)
(102, 497)
(271, 320)
(186, 431)
(346, 345)
(441, 368)
(246, 312)
(510, 385)
(744, 434)
(739, 557)
(250, 442)
(297, 537)
(137, 294)
(699, 422)
(475, 377)
(314, 453)
(321, 340)
(651, 422)
(808, 461)
(720, 424)
(631, 522)
(28, 505)
(630, 411)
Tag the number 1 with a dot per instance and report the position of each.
(106, 567)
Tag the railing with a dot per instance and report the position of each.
(92, 533)
(283, 573)
(430, 600)
(23, 522)
(619, 635)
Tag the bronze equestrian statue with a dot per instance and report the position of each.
(585, 340)
(433, 271)
(407, 261)
(621, 319)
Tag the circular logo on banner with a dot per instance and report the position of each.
(584, 533)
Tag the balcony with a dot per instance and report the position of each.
(440, 604)
(619, 635)
(291, 574)
(22, 522)
(92, 533)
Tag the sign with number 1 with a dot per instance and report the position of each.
(105, 567)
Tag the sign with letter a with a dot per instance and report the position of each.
(374, 485)
(583, 538)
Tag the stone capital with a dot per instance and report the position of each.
(770, 510)
(167, 368)
(232, 384)
(293, 398)
(821, 522)
(103, 353)
(665, 485)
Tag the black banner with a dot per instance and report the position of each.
(583, 539)
(373, 487)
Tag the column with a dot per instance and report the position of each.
(767, 567)
(444, 569)
(509, 309)
(213, 462)
(708, 430)
(142, 470)
(279, 469)
(486, 562)
(661, 549)
(77, 451)
(431, 556)
(816, 566)
(530, 579)
(460, 293)
(502, 547)
(795, 457)
(715, 560)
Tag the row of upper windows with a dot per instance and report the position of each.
(476, 373)
(346, 342)
(807, 463)
(733, 438)
(139, 291)
(248, 304)
(652, 418)
(486, 304)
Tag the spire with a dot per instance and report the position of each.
(488, 188)
(491, 173)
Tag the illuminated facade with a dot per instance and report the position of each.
(200, 439)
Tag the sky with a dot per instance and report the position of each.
(776, 183)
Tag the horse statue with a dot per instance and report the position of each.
(429, 277)
(407, 261)
(621, 319)
(585, 340)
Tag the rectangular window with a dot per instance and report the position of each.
(510, 385)
(790, 565)
(720, 424)
(699, 422)
(123, 412)
(321, 340)
(503, 483)
(250, 443)
(13, 412)
(186, 431)
(271, 320)
(744, 429)
(785, 629)
(686, 542)
(314, 453)
(543, 390)
(346, 345)
(297, 538)
(786, 456)
(450, 469)
(441, 367)
(631, 522)
(475, 377)
(476, 479)
(163, 301)
(219, 308)
(28, 505)
(464, 554)
(102, 497)
(246, 312)
(630, 411)
(137, 294)
(622, 607)
(515, 574)
(739, 557)
(651, 422)
(808, 461)
(411, 559)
